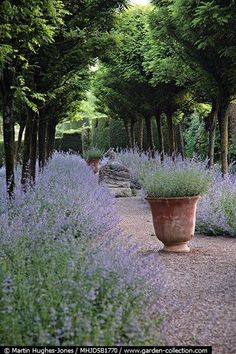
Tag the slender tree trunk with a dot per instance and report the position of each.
(25, 176)
(211, 134)
(180, 140)
(160, 135)
(150, 143)
(8, 128)
(33, 148)
(140, 125)
(19, 141)
(127, 123)
(51, 132)
(52, 137)
(223, 119)
(42, 140)
(133, 133)
(46, 142)
(171, 133)
(13, 139)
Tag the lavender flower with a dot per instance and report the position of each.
(60, 246)
(216, 213)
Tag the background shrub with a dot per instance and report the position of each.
(101, 133)
(87, 141)
(69, 141)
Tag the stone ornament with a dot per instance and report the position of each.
(115, 176)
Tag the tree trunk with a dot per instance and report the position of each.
(180, 140)
(171, 133)
(19, 141)
(223, 119)
(51, 132)
(212, 119)
(127, 123)
(8, 129)
(42, 140)
(33, 148)
(46, 142)
(133, 133)
(13, 139)
(25, 176)
(139, 140)
(150, 143)
(160, 136)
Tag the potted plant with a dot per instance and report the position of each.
(173, 193)
(92, 157)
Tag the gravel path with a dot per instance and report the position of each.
(199, 300)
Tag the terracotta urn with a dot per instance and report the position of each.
(174, 221)
(94, 164)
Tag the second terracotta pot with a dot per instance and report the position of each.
(94, 164)
(174, 221)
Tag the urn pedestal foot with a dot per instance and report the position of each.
(177, 248)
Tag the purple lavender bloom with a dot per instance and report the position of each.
(216, 213)
(60, 246)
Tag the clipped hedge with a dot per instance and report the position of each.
(69, 142)
(100, 133)
(86, 138)
(118, 136)
(111, 133)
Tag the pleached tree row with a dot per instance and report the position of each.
(167, 59)
(47, 48)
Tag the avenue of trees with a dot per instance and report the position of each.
(166, 60)
(160, 61)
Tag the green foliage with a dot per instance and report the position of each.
(93, 153)
(118, 137)
(101, 133)
(127, 86)
(71, 141)
(195, 137)
(79, 42)
(86, 138)
(165, 59)
(88, 108)
(24, 28)
(70, 127)
(111, 133)
(121, 84)
(173, 181)
(50, 46)
(203, 33)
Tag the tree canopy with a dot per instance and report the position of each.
(46, 48)
(205, 36)
(157, 61)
